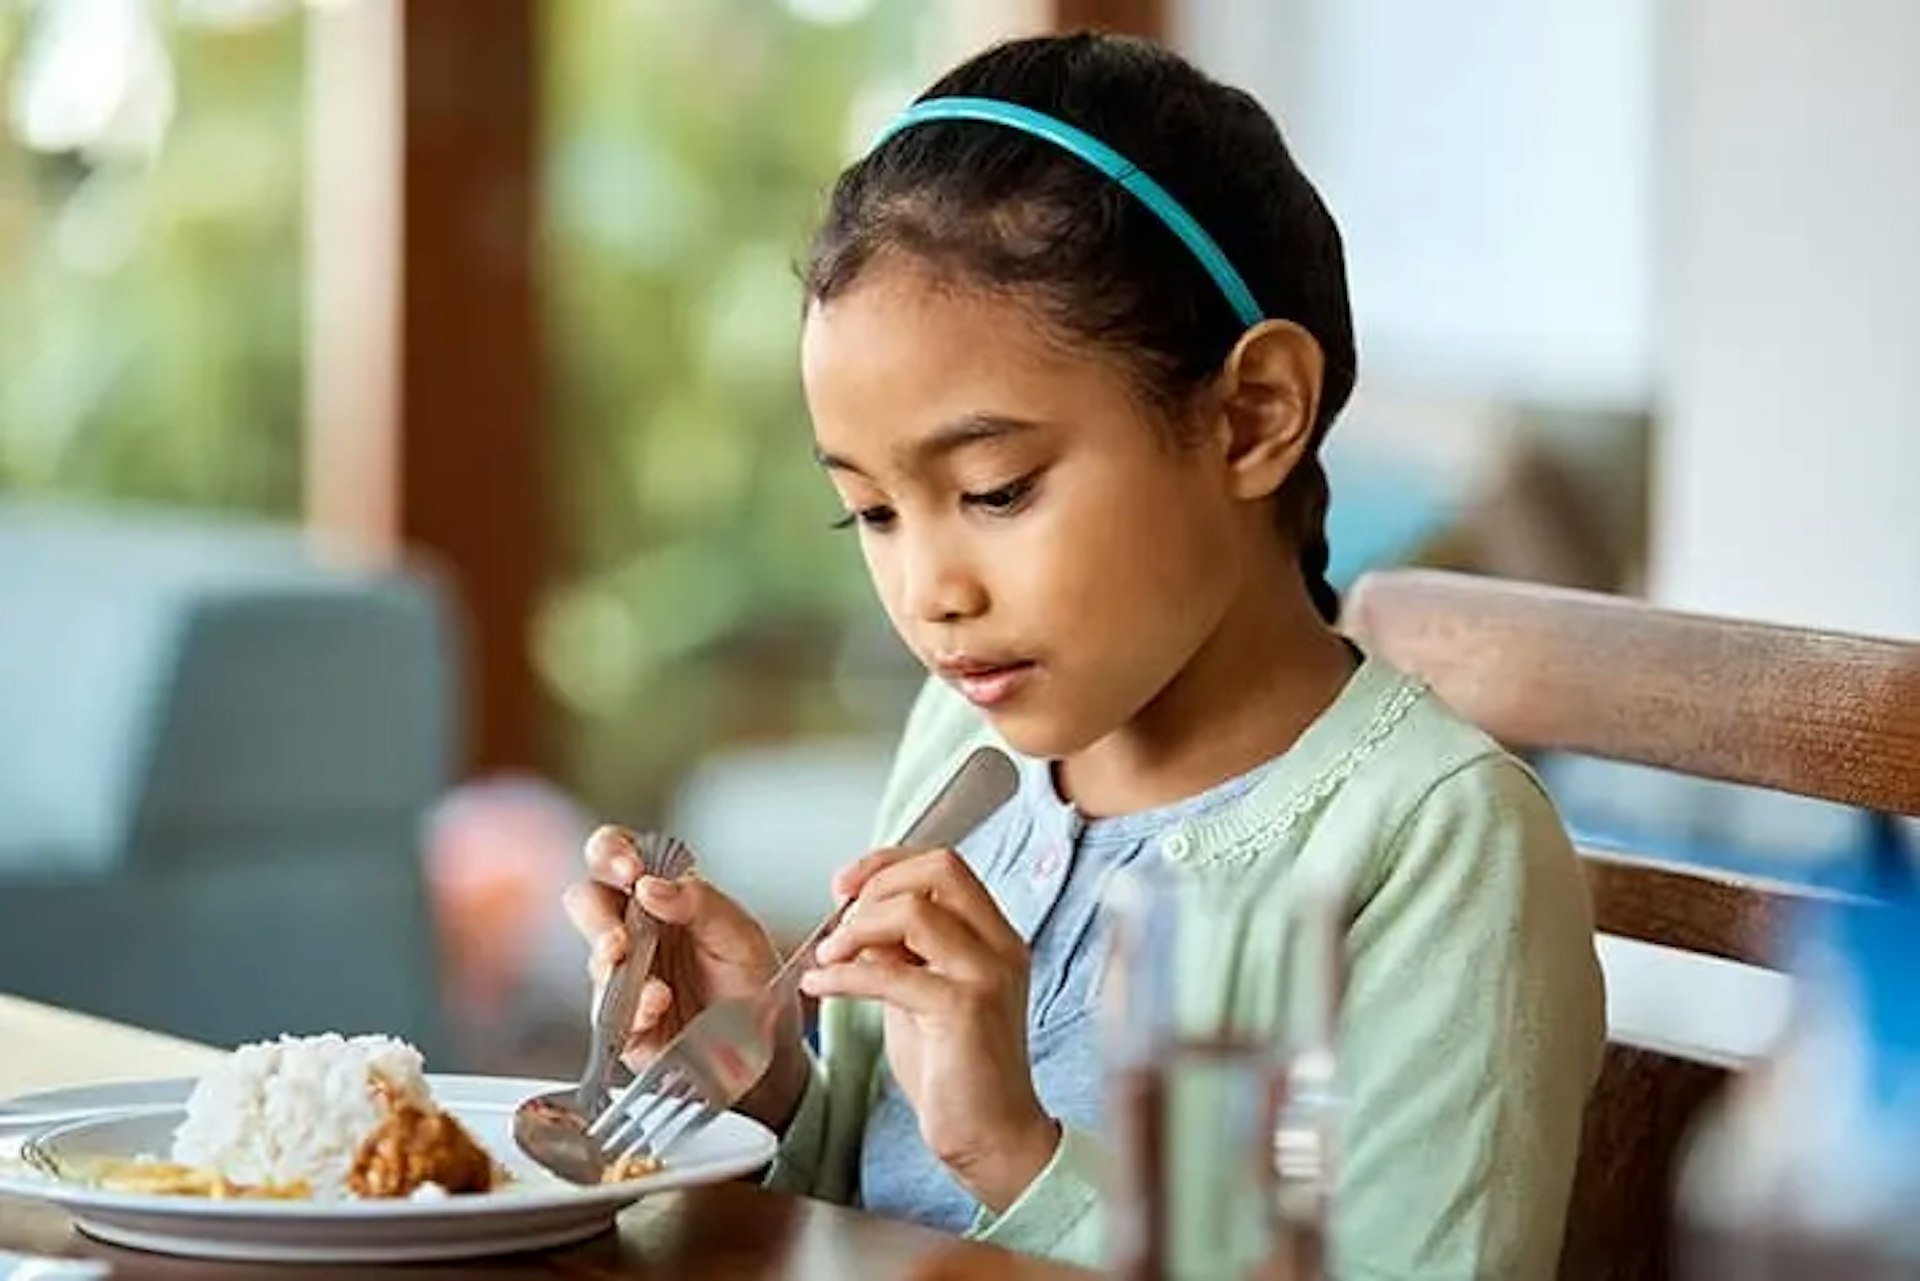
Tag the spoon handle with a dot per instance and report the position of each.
(619, 997)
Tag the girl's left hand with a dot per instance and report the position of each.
(925, 938)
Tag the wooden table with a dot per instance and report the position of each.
(729, 1232)
(41, 1048)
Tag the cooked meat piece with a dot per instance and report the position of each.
(414, 1146)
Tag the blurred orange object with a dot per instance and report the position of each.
(499, 852)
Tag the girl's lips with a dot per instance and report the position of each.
(987, 684)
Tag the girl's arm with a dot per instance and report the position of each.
(1472, 1034)
(1059, 1216)
(820, 1152)
(820, 1149)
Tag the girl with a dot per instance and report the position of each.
(1075, 329)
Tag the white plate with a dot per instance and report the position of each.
(28, 1112)
(536, 1211)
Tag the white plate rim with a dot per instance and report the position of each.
(55, 1105)
(559, 1196)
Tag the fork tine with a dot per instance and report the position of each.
(691, 1121)
(622, 1103)
(646, 1118)
(648, 1136)
(656, 1141)
(669, 1087)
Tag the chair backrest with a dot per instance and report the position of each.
(1815, 714)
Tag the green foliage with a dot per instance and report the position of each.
(703, 598)
(150, 309)
(151, 334)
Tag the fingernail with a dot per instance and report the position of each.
(809, 981)
(658, 889)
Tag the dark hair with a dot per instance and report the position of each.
(1013, 212)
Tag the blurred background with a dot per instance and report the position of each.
(403, 466)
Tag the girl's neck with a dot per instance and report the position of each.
(1270, 669)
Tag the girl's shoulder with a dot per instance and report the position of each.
(1387, 767)
(1434, 796)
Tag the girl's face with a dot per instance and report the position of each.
(1035, 535)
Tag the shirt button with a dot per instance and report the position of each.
(1048, 863)
(1178, 847)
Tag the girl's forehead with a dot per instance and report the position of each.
(904, 350)
(911, 311)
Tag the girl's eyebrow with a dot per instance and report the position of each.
(970, 429)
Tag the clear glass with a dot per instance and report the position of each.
(1225, 1132)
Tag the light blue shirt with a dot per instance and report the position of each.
(1046, 866)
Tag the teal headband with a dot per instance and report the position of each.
(1109, 162)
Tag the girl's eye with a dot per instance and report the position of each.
(874, 518)
(1005, 500)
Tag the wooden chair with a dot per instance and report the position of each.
(1810, 713)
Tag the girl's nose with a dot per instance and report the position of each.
(940, 586)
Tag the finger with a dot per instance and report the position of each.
(719, 927)
(944, 877)
(608, 950)
(613, 858)
(656, 1000)
(851, 879)
(912, 988)
(893, 953)
(926, 929)
(598, 914)
(651, 1029)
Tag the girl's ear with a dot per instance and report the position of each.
(1269, 393)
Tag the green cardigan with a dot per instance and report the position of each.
(1474, 1015)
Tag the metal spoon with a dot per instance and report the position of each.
(558, 1120)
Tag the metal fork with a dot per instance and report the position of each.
(729, 1046)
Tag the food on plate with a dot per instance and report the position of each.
(167, 1178)
(416, 1147)
(630, 1167)
(324, 1117)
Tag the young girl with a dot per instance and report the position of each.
(1075, 329)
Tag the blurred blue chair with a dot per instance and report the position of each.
(772, 824)
(1384, 510)
(215, 754)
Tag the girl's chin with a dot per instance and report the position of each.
(1037, 733)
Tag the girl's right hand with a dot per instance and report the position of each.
(710, 949)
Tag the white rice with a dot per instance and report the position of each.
(296, 1110)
